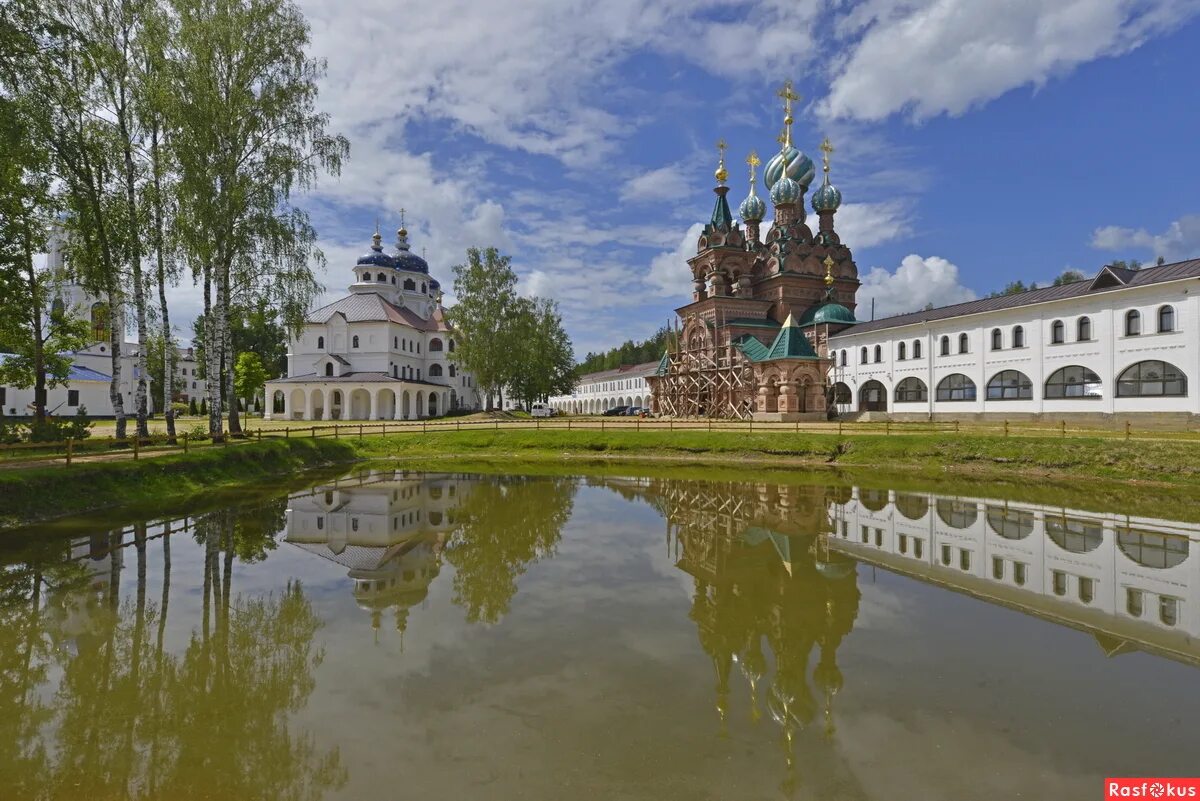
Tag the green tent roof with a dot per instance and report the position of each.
(753, 350)
(791, 343)
(664, 365)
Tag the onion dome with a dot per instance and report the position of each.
(376, 256)
(405, 259)
(827, 197)
(800, 168)
(753, 209)
(785, 191)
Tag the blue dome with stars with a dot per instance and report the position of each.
(405, 259)
(827, 198)
(800, 168)
(753, 209)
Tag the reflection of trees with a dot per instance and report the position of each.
(505, 524)
(127, 719)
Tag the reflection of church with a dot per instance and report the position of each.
(771, 611)
(1128, 581)
(386, 527)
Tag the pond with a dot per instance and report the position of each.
(395, 634)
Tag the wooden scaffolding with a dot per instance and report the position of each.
(705, 377)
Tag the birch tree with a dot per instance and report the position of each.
(246, 136)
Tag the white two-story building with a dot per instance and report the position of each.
(598, 392)
(384, 352)
(1122, 344)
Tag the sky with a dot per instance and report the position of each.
(977, 142)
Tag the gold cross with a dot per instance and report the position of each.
(401, 216)
(827, 149)
(828, 271)
(753, 159)
(788, 94)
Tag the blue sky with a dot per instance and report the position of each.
(978, 141)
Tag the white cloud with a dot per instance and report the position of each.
(1180, 241)
(865, 225)
(669, 275)
(931, 57)
(917, 282)
(666, 183)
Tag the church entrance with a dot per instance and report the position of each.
(872, 397)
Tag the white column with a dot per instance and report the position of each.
(371, 404)
(308, 407)
(326, 405)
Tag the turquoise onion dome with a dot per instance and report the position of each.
(753, 209)
(800, 168)
(826, 198)
(786, 191)
(829, 311)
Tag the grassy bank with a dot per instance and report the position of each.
(1137, 477)
(164, 482)
(929, 454)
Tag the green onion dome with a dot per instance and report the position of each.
(826, 198)
(800, 168)
(786, 191)
(753, 209)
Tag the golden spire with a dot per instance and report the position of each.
(753, 161)
(403, 231)
(376, 238)
(788, 94)
(826, 150)
(721, 174)
(828, 272)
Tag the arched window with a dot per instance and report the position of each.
(1018, 337)
(873, 499)
(1057, 332)
(329, 369)
(451, 348)
(393, 280)
(381, 278)
(435, 371)
(956, 387)
(912, 390)
(99, 322)
(422, 286)
(963, 342)
(453, 372)
(1010, 385)
(1073, 382)
(1083, 329)
(997, 339)
(435, 344)
(878, 354)
(914, 507)
(945, 346)
(902, 351)
(1155, 549)
(842, 396)
(1133, 323)
(843, 359)
(957, 514)
(410, 284)
(395, 371)
(1075, 534)
(1152, 379)
(1012, 524)
(916, 348)
(354, 342)
(320, 343)
(862, 357)
(1166, 319)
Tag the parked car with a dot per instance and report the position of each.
(540, 410)
(633, 411)
(615, 411)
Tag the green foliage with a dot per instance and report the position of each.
(249, 375)
(1069, 277)
(541, 359)
(203, 407)
(58, 429)
(179, 408)
(630, 353)
(485, 316)
(192, 409)
(1013, 288)
(1121, 264)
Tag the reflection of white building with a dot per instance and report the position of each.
(385, 527)
(1127, 580)
(384, 352)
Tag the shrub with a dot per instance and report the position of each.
(57, 429)
(203, 406)
(192, 410)
(179, 408)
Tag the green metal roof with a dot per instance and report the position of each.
(790, 343)
(827, 311)
(664, 364)
(722, 218)
(754, 350)
(752, 322)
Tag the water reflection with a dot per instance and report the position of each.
(94, 703)
(187, 658)
(1126, 580)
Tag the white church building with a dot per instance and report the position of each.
(1124, 343)
(383, 352)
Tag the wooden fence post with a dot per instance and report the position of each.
(1128, 425)
(1006, 428)
(336, 433)
(286, 432)
(955, 426)
(314, 432)
(360, 431)
(887, 428)
(70, 447)
(1064, 428)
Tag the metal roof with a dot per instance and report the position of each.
(1126, 279)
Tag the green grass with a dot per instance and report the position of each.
(1135, 477)
(48, 492)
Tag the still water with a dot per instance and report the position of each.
(437, 636)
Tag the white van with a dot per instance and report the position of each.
(540, 410)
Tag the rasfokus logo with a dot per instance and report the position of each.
(1151, 788)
